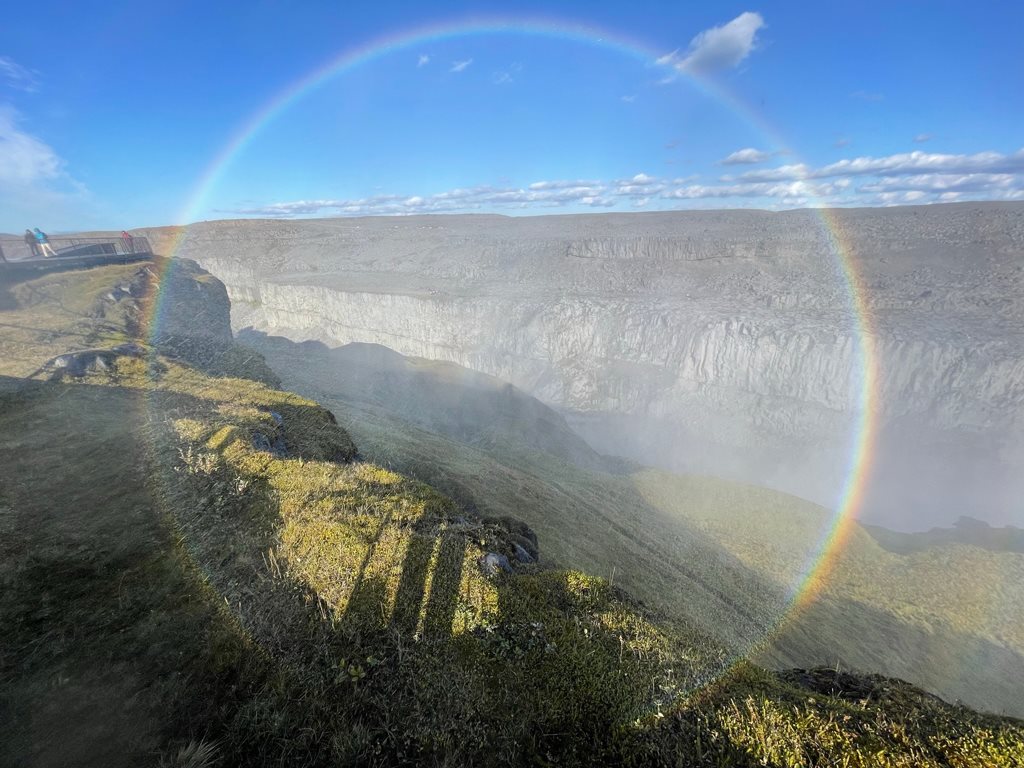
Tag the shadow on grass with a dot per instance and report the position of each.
(582, 522)
(106, 602)
(7, 300)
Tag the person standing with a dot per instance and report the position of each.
(44, 243)
(129, 241)
(32, 243)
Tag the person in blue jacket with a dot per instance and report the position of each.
(44, 243)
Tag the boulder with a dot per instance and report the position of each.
(493, 563)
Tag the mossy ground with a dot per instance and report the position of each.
(167, 583)
(716, 555)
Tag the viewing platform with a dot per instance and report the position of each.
(71, 253)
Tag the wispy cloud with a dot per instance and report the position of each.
(946, 182)
(34, 183)
(890, 180)
(460, 66)
(899, 164)
(923, 137)
(24, 159)
(423, 60)
(15, 76)
(629, 98)
(508, 74)
(746, 156)
(842, 141)
(719, 48)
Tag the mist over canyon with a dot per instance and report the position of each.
(721, 342)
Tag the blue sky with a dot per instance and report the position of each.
(114, 114)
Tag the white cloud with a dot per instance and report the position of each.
(34, 185)
(629, 98)
(905, 163)
(946, 182)
(545, 185)
(749, 155)
(24, 159)
(460, 66)
(862, 181)
(923, 137)
(423, 60)
(785, 190)
(16, 76)
(719, 48)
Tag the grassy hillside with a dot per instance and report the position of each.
(197, 570)
(719, 556)
(947, 618)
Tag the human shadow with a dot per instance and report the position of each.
(427, 590)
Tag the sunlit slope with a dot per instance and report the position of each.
(585, 518)
(722, 556)
(197, 571)
(947, 617)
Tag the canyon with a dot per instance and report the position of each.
(756, 346)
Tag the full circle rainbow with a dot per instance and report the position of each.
(841, 524)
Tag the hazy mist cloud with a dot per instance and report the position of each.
(423, 60)
(460, 66)
(923, 137)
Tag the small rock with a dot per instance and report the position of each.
(522, 556)
(130, 349)
(262, 443)
(492, 564)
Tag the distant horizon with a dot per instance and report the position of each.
(529, 215)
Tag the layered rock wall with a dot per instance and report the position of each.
(732, 343)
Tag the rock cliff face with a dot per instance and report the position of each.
(719, 342)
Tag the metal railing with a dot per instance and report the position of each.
(17, 249)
